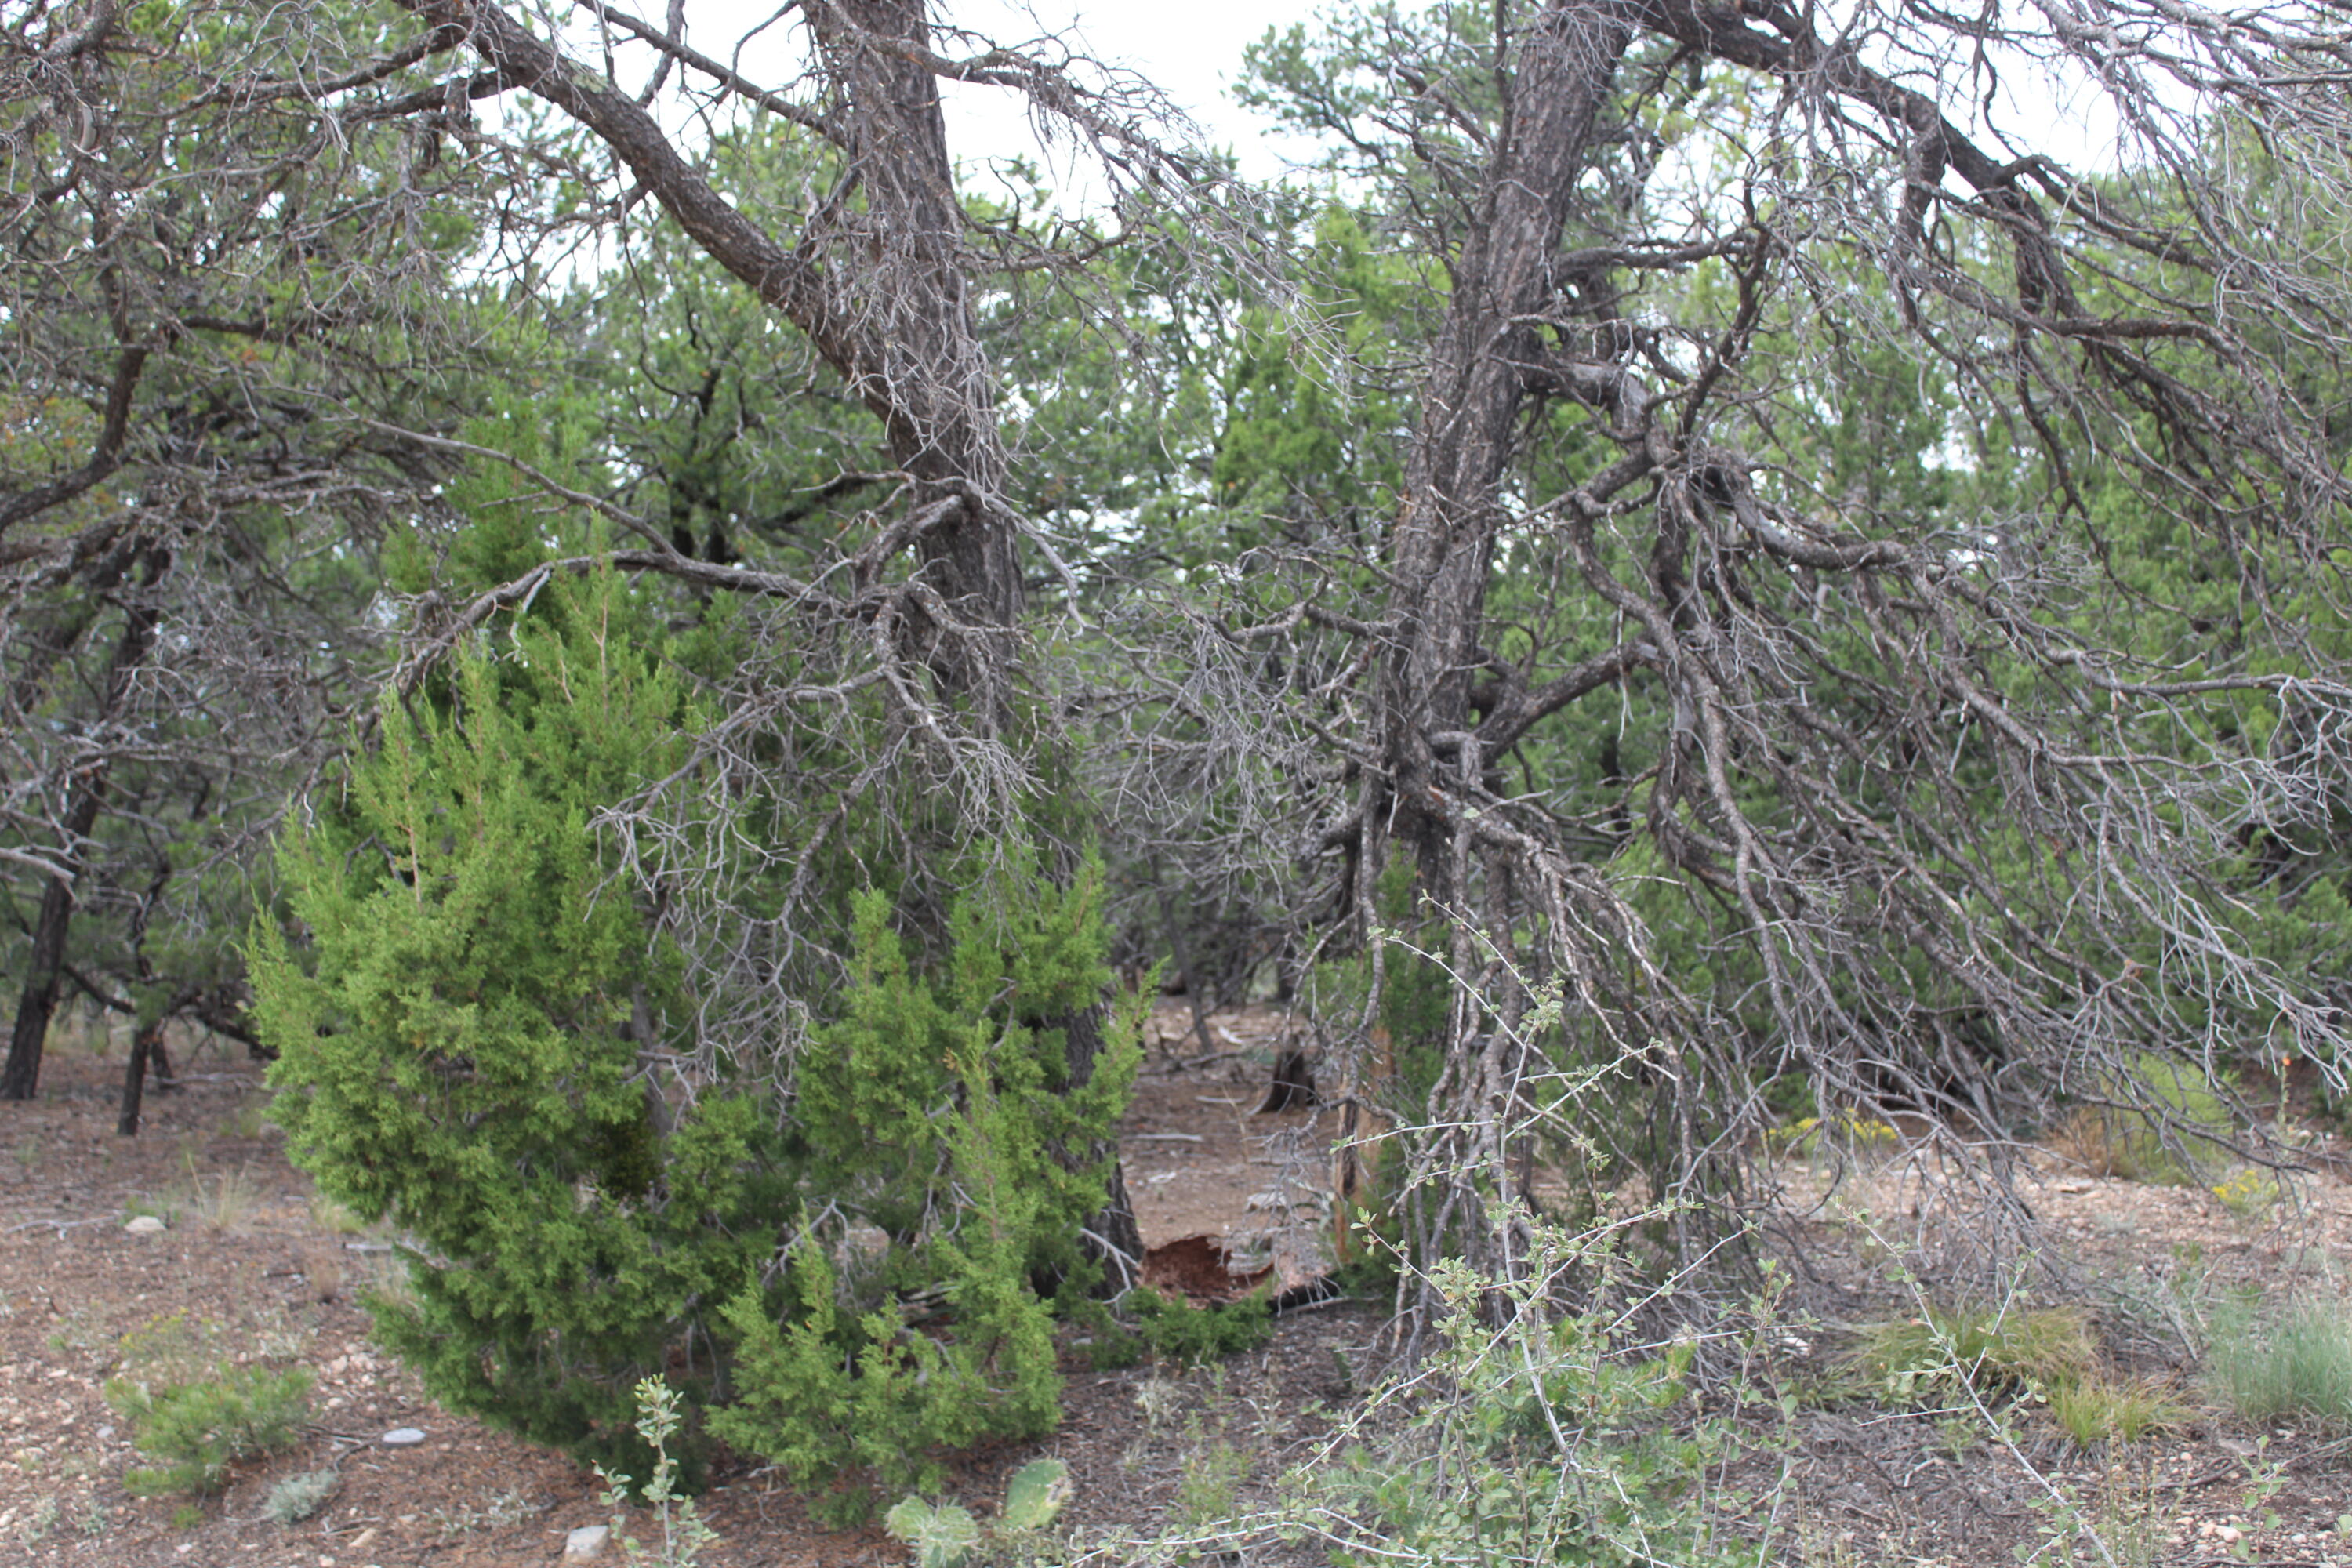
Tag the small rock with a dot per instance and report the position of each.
(106, 1434)
(145, 1224)
(587, 1544)
(402, 1437)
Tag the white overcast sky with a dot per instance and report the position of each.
(1192, 50)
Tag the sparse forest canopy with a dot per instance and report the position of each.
(1701, 569)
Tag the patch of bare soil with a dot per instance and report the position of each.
(1201, 1161)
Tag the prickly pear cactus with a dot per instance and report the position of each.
(1036, 1494)
(942, 1537)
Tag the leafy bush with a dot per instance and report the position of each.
(2295, 1363)
(1180, 1331)
(1209, 1486)
(684, 1535)
(486, 1040)
(198, 1429)
(1556, 1441)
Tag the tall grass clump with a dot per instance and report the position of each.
(2103, 1408)
(2296, 1362)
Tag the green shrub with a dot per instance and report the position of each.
(2297, 1364)
(1553, 1441)
(198, 1429)
(2158, 1125)
(939, 1110)
(833, 1247)
(1180, 1331)
(1987, 1350)
(462, 1040)
(1209, 1486)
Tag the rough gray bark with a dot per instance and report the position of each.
(892, 313)
(1505, 281)
(916, 356)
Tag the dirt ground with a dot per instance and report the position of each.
(247, 1251)
(1869, 1486)
(248, 1257)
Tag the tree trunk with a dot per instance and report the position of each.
(45, 970)
(1112, 1238)
(890, 310)
(146, 1051)
(914, 351)
(20, 1078)
(1506, 280)
(919, 361)
(1443, 546)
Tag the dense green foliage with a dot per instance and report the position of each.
(196, 1429)
(943, 1108)
(1838, 648)
(465, 1032)
(486, 1040)
(1190, 1335)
